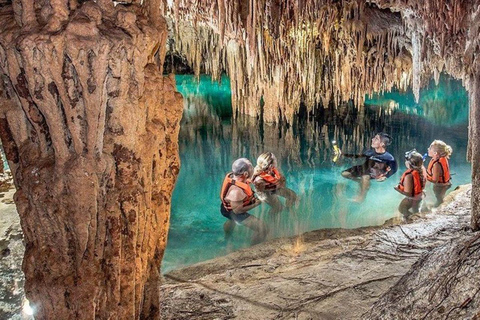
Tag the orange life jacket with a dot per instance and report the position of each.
(227, 183)
(272, 178)
(417, 182)
(445, 177)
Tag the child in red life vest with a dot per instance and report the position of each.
(438, 171)
(412, 184)
(270, 183)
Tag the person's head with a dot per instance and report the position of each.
(381, 140)
(439, 149)
(266, 161)
(242, 168)
(413, 159)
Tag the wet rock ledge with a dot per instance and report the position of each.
(341, 274)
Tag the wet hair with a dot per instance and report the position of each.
(265, 160)
(414, 158)
(385, 138)
(443, 149)
(415, 161)
(240, 166)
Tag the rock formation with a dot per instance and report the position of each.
(323, 47)
(453, 293)
(90, 127)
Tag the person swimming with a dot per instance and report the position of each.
(379, 165)
(411, 184)
(270, 183)
(237, 198)
(438, 170)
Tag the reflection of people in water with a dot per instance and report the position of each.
(237, 198)
(378, 165)
(438, 171)
(270, 183)
(412, 184)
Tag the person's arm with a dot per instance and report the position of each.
(236, 197)
(259, 184)
(385, 175)
(436, 172)
(392, 167)
(407, 186)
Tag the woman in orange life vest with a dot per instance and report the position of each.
(237, 198)
(412, 184)
(438, 171)
(270, 183)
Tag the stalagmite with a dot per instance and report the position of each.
(90, 131)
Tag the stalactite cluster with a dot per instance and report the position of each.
(283, 53)
(90, 128)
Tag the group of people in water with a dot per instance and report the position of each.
(237, 196)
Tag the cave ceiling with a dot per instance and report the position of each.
(323, 52)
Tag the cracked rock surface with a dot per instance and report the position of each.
(325, 274)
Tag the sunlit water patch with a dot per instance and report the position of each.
(210, 141)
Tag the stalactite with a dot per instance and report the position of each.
(417, 65)
(305, 50)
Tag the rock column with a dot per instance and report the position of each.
(90, 131)
(474, 147)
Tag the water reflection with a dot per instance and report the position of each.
(445, 104)
(209, 142)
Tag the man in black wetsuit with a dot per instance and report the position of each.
(378, 165)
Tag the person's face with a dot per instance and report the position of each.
(377, 142)
(407, 164)
(249, 173)
(431, 151)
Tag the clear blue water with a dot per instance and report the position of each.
(210, 141)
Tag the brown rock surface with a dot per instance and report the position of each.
(90, 131)
(326, 274)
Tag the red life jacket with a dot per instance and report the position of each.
(227, 183)
(272, 178)
(417, 182)
(445, 177)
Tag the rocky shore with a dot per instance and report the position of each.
(324, 274)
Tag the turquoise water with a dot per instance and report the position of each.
(210, 141)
